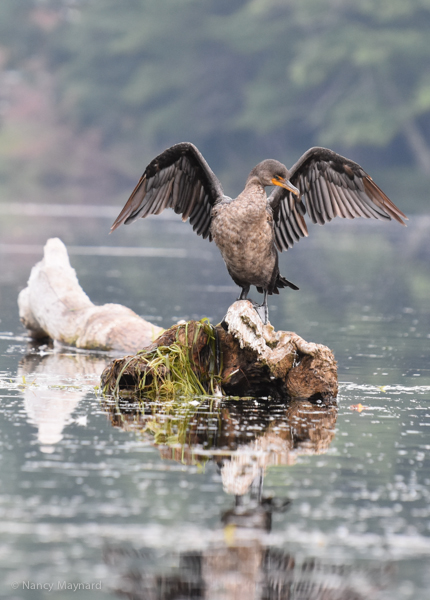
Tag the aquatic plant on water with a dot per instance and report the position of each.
(189, 366)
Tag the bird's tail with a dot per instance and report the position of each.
(280, 282)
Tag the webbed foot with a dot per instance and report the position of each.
(263, 312)
(263, 309)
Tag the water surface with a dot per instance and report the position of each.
(209, 498)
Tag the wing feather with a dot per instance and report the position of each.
(195, 195)
(286, 232)
(201, 223)
(328, 209)
(337, 212)
(343, 208)
(198, 211)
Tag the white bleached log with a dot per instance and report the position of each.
(54, 305)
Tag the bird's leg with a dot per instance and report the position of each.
(263, 309)
(244, 293)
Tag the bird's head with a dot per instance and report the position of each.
(272, 172)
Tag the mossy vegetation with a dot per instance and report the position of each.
(185, 364)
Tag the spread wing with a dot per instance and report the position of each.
(178, 178)
(331, 186)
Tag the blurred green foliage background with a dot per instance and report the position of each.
(91, 90)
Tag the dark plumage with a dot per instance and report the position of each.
(249, 229)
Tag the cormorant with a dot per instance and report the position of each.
(250, 229)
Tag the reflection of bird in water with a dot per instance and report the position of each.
(249, 229)
(303, 427)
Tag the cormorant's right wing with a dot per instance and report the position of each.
(178, 178)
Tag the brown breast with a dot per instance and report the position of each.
(243, 231)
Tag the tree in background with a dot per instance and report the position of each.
(243, 79)
(363, 73)
(42, 156)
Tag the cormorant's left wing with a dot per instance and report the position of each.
(331, 186)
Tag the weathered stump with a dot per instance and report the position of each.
(240, 357)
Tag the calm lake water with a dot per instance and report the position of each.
(207, 498)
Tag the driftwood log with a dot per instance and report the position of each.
(53, 305)
(239, 357)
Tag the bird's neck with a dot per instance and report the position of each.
(253, 182)
(254, 193)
